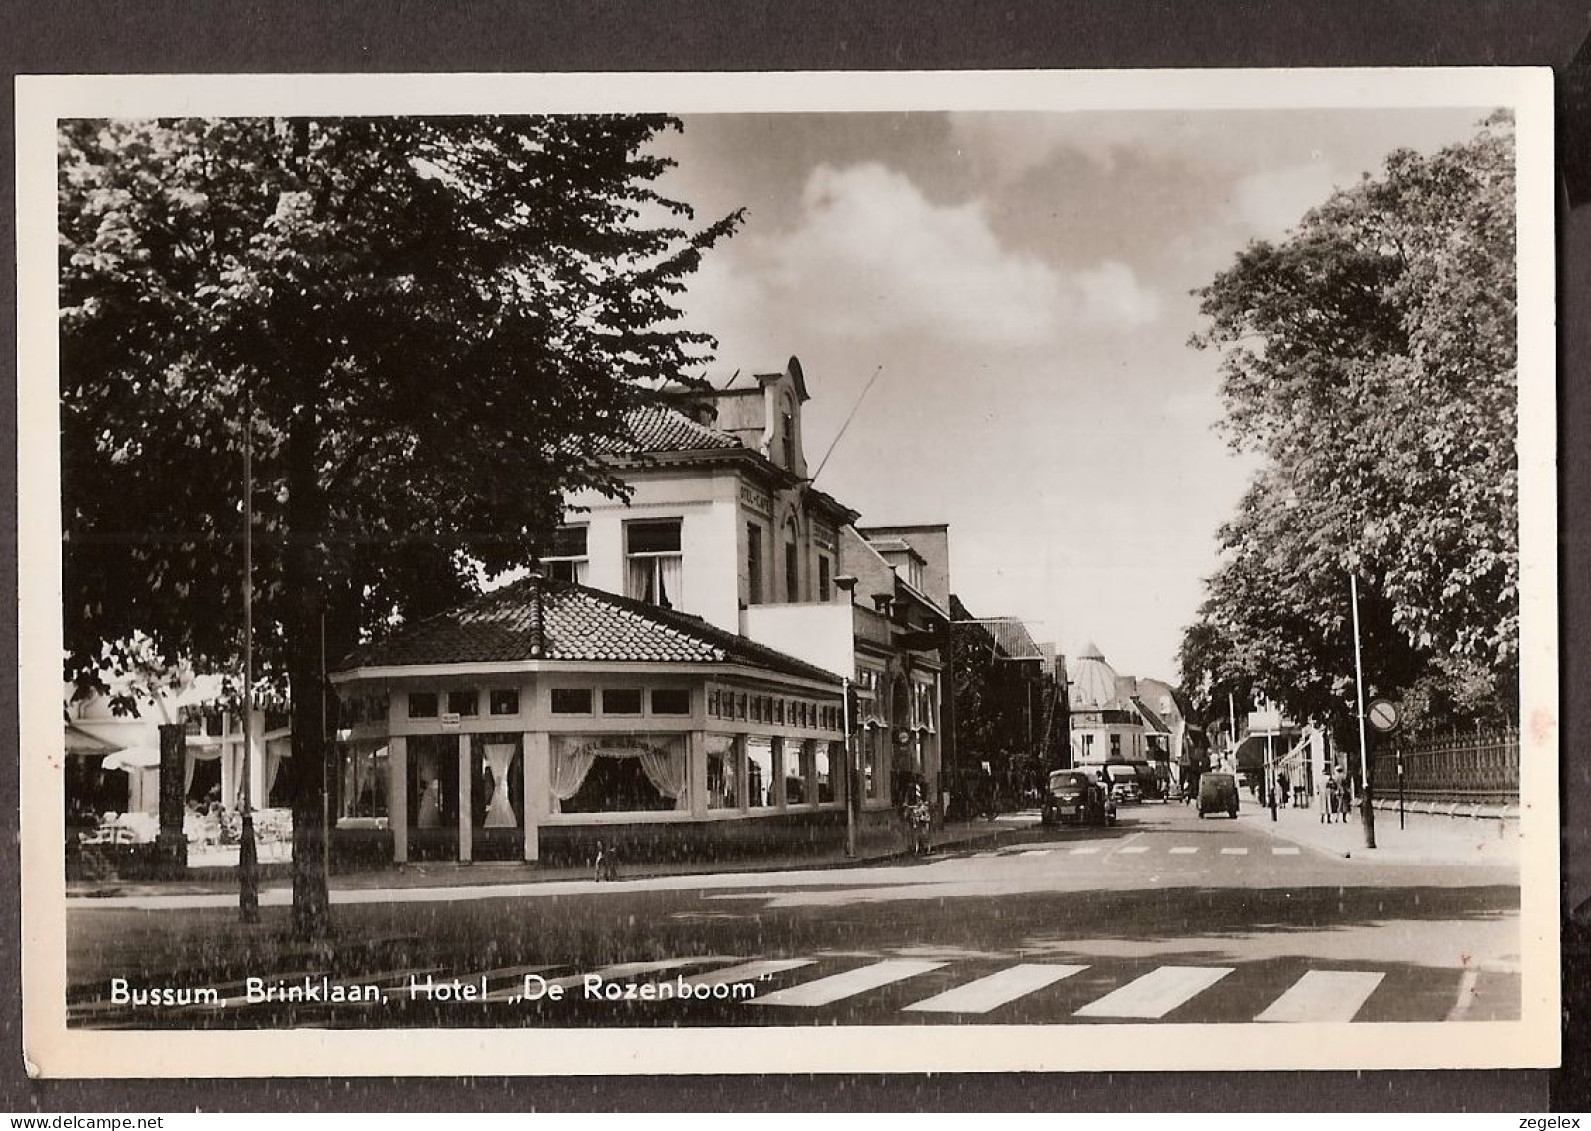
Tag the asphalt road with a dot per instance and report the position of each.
(1163, 919)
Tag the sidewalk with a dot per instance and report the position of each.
(1424, 839)
(876, 849)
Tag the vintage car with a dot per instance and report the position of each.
(1125, 787)
(1218, 794)
(1074, 797)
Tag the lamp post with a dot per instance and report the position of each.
(1364, 748)
(248, 856)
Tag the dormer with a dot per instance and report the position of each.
(763, 411)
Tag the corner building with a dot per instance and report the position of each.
(673, 680)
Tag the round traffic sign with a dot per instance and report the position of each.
(1383, 715)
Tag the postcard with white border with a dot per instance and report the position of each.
(762, 573)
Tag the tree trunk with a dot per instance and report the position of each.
(303, 582)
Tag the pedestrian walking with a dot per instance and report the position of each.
(1329, 813)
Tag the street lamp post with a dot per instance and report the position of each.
(1364, 748)
(248, 855)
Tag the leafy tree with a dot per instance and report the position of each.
(436, 326)
(1370, 359)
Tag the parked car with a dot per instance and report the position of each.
(1217, 794)
(1074, 797)
(1125, 788)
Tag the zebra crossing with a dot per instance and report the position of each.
(949, 989)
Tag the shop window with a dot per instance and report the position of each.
(505, 701)
(753, 564)
(760, 784)
(362, 781)
(723, 772)
(571, 700)
(656, 567)
(422, 704)
(463, 703)
(671, 701)
(621, 701)
(568, 560)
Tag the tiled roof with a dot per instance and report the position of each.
(660, 429)
(1155, 721)
(541, 619)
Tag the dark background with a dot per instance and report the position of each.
(166, 36)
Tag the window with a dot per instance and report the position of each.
(828, 755)
(1115, 746)
(800, 772)
(756, 709)
(571, 700)
(723, 789)
(671, 701)
(760, 783)
(825, 577)
(655, 565)
(621, 701)
(422, 704)
(787, 436)
(568, 560)
(1088, 745)
(362, 781)
(505, 701)
(463, 703)
(792, 565)
(753, 564)
(497, 781)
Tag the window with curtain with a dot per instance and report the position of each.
(656, 567)
(498, 781)
(619, 774)
(568, 560)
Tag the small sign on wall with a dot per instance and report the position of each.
(450, 720)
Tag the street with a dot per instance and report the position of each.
(1164, 918)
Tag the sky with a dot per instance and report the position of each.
(1021, 283)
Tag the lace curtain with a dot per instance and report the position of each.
(664, 766)
(662, 760)
(572, 759)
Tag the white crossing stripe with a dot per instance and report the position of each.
(1284, 852)
(1085, 850)
(1324, 995)
(1036, 852)
(1157, 993)
(1183, 850)
(749, 971)
(1234, 852)
(1133, 848)
(852, 982)
(987, 993)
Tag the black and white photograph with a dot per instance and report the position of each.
(769, 573)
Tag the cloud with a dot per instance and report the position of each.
(1268, 203)
(870, 254)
